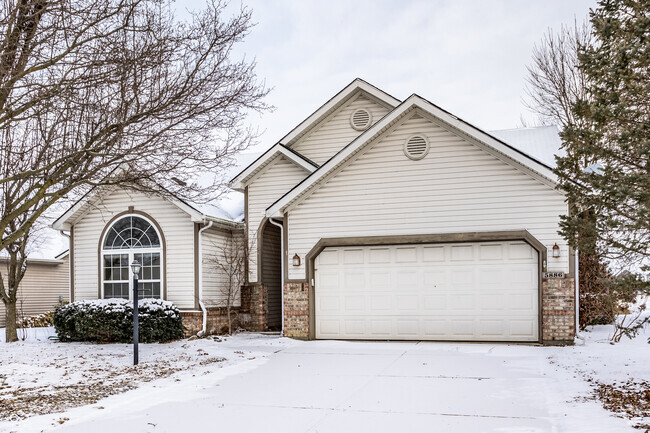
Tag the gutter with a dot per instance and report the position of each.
(200, 277)
(275, 223)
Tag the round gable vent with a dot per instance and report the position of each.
(361, 119)
(416, 147)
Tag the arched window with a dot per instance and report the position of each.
(132, 237)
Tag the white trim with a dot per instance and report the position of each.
(61, 223)
(357, 84)
(238, 183)
(130, 252)
(490, 143)
(52, 262)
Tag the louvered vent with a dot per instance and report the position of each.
(416, 147)
(361, 119)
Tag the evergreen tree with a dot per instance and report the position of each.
(612, 127)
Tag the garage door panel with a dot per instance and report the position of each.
(379, 255)
(381, 303)
(406, 255)
(433, 254)
(491, 252)
(433, 303)
(482, 292)
(462, 253)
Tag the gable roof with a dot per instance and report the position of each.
(498, 148)
(80, 207)
(237, 183)
(334, 103)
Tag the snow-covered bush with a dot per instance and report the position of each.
(111, 321)
(37, 321)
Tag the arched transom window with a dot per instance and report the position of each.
(131, 238)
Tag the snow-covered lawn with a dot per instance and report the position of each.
(40, 376)
(254, 382)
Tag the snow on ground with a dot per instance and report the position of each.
(254, 382)
(40, 376)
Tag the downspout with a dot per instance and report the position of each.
(200, 277)
(70, 271)
(275, 223)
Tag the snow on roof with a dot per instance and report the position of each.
(541, 142)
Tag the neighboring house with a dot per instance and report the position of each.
(381, 219)
(44, 286)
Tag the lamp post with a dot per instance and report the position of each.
(135, 267)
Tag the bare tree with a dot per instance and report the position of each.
(117, 92)
(555, 82)
(229, 260)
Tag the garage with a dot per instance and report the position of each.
(484, 291)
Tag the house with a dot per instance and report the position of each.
(374, 218)
(44, 286)
(173, 240)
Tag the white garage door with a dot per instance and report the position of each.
(477, 292)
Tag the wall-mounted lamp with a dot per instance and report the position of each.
(296, 260)
(556, 251)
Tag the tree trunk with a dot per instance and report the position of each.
(10, 331)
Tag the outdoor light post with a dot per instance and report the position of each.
(135, 267)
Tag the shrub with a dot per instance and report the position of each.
(111, 321)
(37, 321)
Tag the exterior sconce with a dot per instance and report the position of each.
(556, 251)
(296, 260)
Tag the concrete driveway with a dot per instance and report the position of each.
(335, 386)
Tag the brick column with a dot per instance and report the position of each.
(296, 310)
(254, 307)
(558, 311)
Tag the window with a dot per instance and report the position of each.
(131, 238)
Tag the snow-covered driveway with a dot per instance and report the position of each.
(334, 386)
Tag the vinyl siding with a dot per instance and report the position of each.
(456, 188)
(218, 252)
(178, 231)
(268, 186)
(272, 274)
(327, 138)
(40, 289)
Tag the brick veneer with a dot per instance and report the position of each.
(296, 310)
(217, 321)
(558, 311)
(254, 303)
(250, 316)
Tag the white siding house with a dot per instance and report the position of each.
(171, 238)
(374, 218)
(457, 187)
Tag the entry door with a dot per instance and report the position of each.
(465, 291)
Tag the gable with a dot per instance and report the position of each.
(456, 188)
(334, 132)
(253, 170)
(453, 164)
(415, 104)
(279, 177)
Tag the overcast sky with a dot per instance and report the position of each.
(469, 57)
